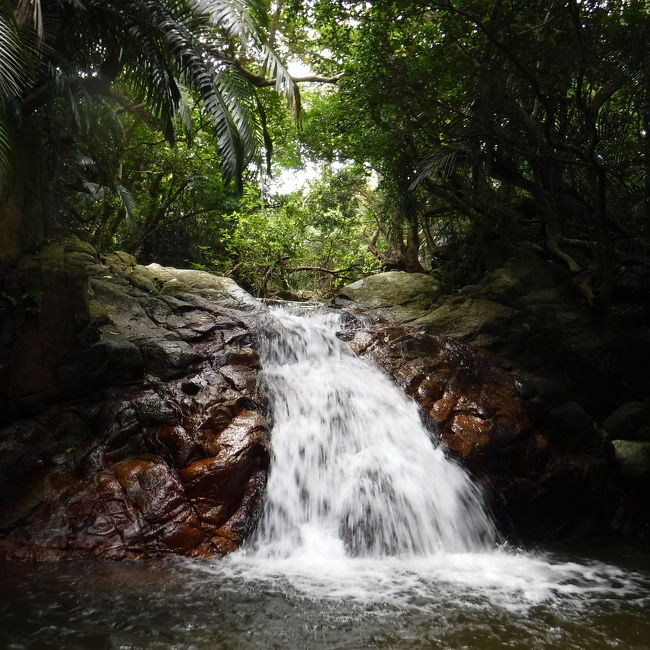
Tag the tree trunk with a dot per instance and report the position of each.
(25, 207)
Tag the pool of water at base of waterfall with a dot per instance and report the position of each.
(563, 598)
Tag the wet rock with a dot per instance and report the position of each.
(527, 445)
(168, 358)
(147, 438)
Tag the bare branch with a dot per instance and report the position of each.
(262, 82)
(320, 269)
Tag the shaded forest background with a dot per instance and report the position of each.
(440, 133)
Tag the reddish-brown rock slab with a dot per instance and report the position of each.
(172, 464)
(546, 475)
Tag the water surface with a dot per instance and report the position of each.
(205, 605)
(370, 538)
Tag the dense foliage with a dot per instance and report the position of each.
(79, 79)
(445, 130)
(495, 121)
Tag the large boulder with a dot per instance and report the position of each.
(478, 320)
(395, 294)
(142, 432)
(179, 282)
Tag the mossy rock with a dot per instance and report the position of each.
(476, 320)
(395, 294)
(79, 251)
(120, 262)
(633, 457)
(225, 292)
(525, 273)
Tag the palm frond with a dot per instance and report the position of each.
(13, 69)
(129, 204)
(30, 12)
(239, 19)
(439, 163)
(222, 103)
(6, 149)
(151, 49)
(225, 93)
(92, 188)
(185, 117)
(77, 4)
(276, 69)
(247, 21)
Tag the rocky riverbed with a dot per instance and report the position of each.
(134, 425)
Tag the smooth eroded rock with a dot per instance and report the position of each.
(149, 437)
(402, 296)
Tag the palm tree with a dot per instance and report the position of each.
(14, 75)
(146, 55)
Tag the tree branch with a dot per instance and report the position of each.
(320, 269)
(262, 82)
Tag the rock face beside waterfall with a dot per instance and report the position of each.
(131, 423)
(585, 367)
(531, 312)
(136, 425)
(547, 470)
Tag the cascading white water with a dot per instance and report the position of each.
(351, 461)
(363, 506)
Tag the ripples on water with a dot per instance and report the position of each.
(481, 601)
(365, 542)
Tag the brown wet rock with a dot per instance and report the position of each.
(161, 444)
(544, 464)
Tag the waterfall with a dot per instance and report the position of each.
(353, 470)
(363, 506)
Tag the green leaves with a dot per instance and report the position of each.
(14, 72)
(14, 77)
(141, 54)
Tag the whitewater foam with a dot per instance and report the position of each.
(363, 505)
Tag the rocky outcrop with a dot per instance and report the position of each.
(134, 426)
(587, 364)
(137, 428)
(544, 464)
(393, 294)
(529, 311)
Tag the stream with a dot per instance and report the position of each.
(370, 537)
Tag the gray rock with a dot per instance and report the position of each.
(168, 358)
(633, 457)
(524, 272)
(631, 421)
(177, 282)
(394, 294)
(143, 279)
(475, 320)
